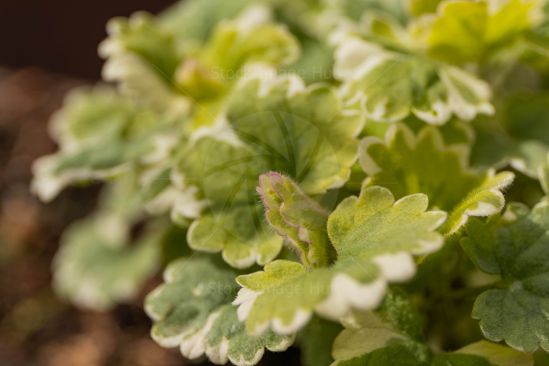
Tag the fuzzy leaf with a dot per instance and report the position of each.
(374, 237)
(515, 248)
(296, 217)
(192, 311)
(271, 123)
(408, 163)
(303, 132)
(389, 86)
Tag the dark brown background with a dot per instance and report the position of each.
(61, 35)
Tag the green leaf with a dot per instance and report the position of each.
(396, 321)
(389, 86)
(192, 21)
(408, 163)
(355, 9)
(271, 123)
(519, 131)
(297, 218)
(142, 58)
(497, 354)
(192, 311)
(420, 7)
(250, 38)
(303, 132)
(465, 31)
(374, 237)
(515, 248)
(366, 333)
(405, 355)
(394, 354)
(89, 115)
(316, 342)
(315, 62)
(543, 176)
(238, 232)
(100, 134)
(370, 338)
(96, 269)
(314, 18)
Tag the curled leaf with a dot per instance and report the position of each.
(271, 123)
(296, 217)
(374, 237)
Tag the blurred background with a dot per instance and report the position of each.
(47, 48)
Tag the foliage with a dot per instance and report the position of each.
(334, 175)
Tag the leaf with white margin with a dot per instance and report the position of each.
(192, 311)
(515, 248)
(375, 239)
(99, 133)
(232, 224)
(303, 132)
(252, 37)
(389, 86)
(408, 163)
(163, 191)
(297, 218)
(238, 232)
(142, 58)
(89, 115)
(467, 31)
(95, 269)
(270, 123)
